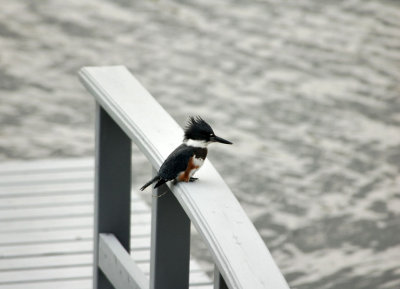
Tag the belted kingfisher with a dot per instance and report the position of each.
(187, 158)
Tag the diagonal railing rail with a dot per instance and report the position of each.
(127, 112)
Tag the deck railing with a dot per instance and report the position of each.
(127, 112)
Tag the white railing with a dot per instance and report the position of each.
(127, 112)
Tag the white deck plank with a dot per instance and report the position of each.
(50, 212)
(62, 211)
(63, 247)
(74, 260)
(53, 200)
(197, 279)
(43, 201)
(46, 229)
(47, 165)
(46, 224)
(16, 251)
(36, 238)
(47, 189)
(50, 274)
(48, 261)
(23, 238)
(76, 284)
(237, 248)
(48, 178)
(84, 283)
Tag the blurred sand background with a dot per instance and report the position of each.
(307, 90)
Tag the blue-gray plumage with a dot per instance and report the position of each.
(187, 158)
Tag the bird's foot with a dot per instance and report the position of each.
(193, 179)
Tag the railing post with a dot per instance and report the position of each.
(112, 191)
(219, 282)
(170, 242)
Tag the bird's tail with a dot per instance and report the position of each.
(153, 180)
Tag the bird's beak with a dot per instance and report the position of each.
(220, 139)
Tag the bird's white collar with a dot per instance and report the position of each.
(196, 143)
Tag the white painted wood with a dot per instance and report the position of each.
(15, 251)
(47, 274)
(57, 211)
(34, 225)
(48, 201)
(47, 165)
(118, 265)
(69, 234)
(237, 248)
(47, 262)
(194, 269)
(32, 200)
(46, 189)
(48, 178)
(45, 251)
(85, 283)
(78, 247)
(199, 278)
(23, 237)
(81, 283)
(63, 247)
(201, 286)
(29, 225)
(43, 201)
(75, 284)
(53, 212)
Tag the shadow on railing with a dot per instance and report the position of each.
(127, 112)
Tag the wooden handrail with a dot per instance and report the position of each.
(237, 249)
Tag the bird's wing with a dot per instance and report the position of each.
(176, 162)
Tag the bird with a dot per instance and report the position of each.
(187, 158)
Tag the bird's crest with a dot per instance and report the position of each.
(196, 127)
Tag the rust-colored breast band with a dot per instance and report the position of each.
(184, 177)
